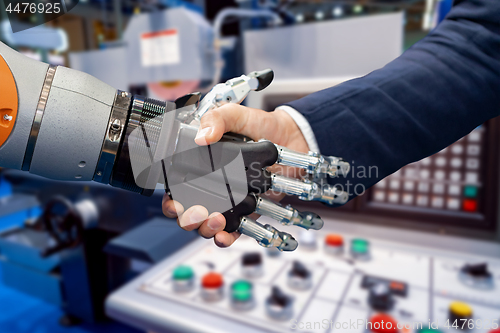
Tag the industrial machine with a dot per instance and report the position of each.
(57, 253)
(177, 46)
(342, 48)
(76, 247)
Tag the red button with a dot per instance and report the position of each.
(334, 240)
(495, 331)
(470, 205)
(382, 323)
(212, 280)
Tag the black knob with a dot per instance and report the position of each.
(251, 259)
(299, 276)
(279, 298)
(380, 297)
(477, 270)
(279, 305)
(299, 270)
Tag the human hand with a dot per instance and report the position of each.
(277, 127)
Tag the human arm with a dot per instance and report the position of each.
(435, 93)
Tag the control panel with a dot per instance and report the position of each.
(448, 187)
(334, 282)
(450, 180)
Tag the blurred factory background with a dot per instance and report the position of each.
(422, 245)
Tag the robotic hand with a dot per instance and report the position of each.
(256, 157)
(67, 125)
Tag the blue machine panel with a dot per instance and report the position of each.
(38, 284)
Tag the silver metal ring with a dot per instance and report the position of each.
(136, 112)
(114, 134)
(122, 176)
(146, 115)
(37, 121)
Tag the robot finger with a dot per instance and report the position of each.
(288, 215)
(314, 163)
(266, 235)
(308, 190)
(232, 91)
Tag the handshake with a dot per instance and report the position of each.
(220, 162)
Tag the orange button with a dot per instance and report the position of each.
(470, 205)
(334, 240)
(212, 280)
(382, 323)
(396, 286)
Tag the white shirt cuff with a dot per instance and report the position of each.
(303, 125)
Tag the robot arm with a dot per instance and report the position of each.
(67, 125)
(61, 118)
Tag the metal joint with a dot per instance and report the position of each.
(144, 113)
(114, 134)
(37, 121)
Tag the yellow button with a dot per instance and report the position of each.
(461, 309)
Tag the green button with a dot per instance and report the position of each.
(241, 290)
(470, 191)
(183, 273)
(359, 245)
(429, 330)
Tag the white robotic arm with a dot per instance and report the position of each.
(61, 119)
(67, 125)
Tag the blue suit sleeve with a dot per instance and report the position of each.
(432, 95)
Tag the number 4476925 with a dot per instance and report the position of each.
(31, 7)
